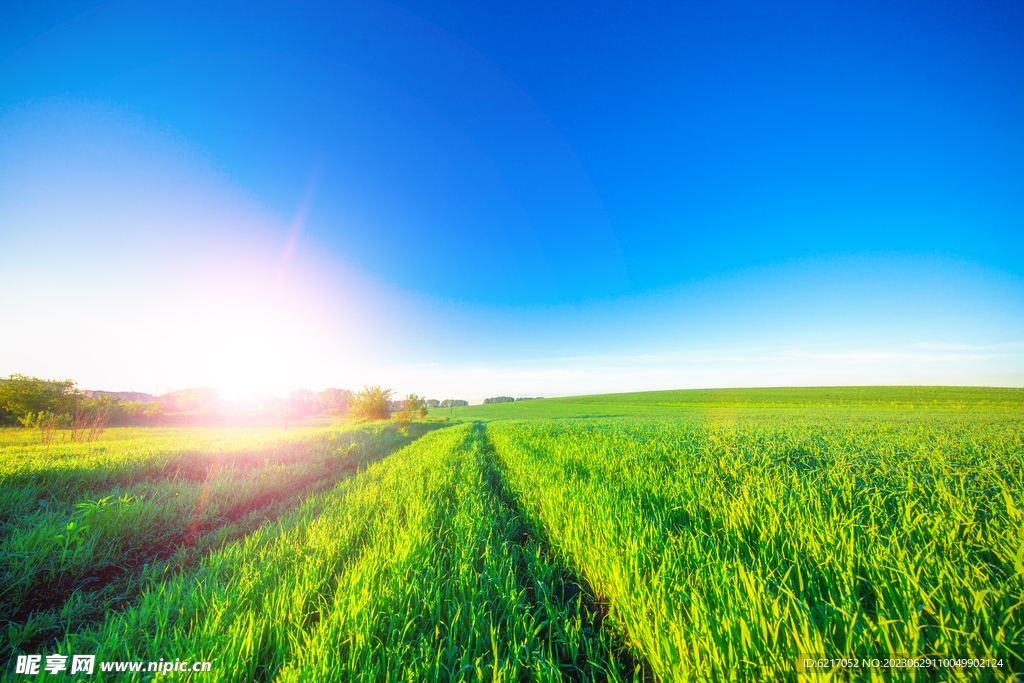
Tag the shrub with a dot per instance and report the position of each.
(372, 403)
(411, 406)
(46, 422)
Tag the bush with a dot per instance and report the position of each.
(372, 403)
(411, 406)
(46, 422)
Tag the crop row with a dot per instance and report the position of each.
(739, 548)
(597, 549)
(417, 569)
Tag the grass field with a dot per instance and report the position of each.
(670, 536)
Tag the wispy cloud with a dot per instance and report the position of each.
(912, 353)
(944, 346)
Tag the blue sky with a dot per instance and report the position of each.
(520, 199)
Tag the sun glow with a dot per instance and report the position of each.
(241, 365)
(244, 346)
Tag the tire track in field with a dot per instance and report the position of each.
(571, 591)
(396, 509)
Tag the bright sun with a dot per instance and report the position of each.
(246, 364)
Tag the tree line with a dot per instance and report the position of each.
(31, 401)
(447, 403)
(58, 404)
(373, 401)
(509, 399)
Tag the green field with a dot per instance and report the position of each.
(673, 536)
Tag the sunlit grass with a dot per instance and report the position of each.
(738, 547)
(589, 542)
(85, 526)
(415, 570)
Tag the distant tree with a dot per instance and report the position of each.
(154, 411)
(114, 410)
(111, 409)
(433, 403)
(335, 399)
(267, 402)
(192, 399)
(453, 403)
(21, 395)
(372, 403)
(499, 399)
(528, 398)
(302, 401)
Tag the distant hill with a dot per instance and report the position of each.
(851, 396)
(689, 401)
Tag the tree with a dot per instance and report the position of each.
(21, 395)
(499, 399)
(433, 403)
(335, 400)
(268, 402)
(153, 411)
(195, 398)
(372, 403)
(302, 401)
(109, 408)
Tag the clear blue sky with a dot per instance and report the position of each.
(468, 200)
